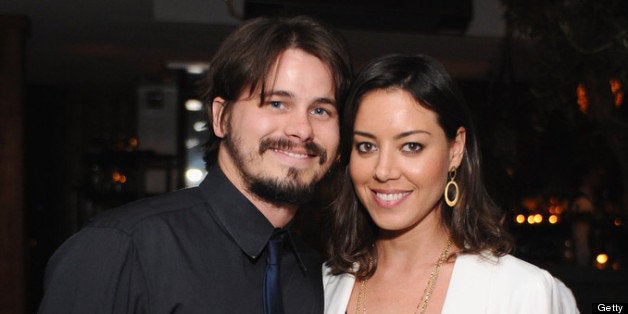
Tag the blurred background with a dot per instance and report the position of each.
(99, 107)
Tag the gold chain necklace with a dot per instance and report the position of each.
(427, 293)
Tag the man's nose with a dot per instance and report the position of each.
(299, 127)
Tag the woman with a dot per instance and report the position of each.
(413, 229)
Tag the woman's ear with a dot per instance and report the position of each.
(456, 151)
(217, 110)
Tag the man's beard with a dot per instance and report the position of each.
(288, 190)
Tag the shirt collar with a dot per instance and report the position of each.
(239, 217)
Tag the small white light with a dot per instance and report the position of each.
(194, 175)
(193, 105)
(200, 126)
(196, 68)
(191, 143)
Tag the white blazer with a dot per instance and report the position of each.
(480, 283)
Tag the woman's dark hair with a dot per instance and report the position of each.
(474, 222)
(246, 56)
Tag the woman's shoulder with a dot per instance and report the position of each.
(329, 278)
(500, 280)
(506, 267)
(337, 290)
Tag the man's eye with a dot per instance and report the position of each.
(275, 104)
(320, 111)
(412, 147)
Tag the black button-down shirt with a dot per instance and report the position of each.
(197, 250)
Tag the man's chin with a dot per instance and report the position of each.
(282, 191)
(294, 176)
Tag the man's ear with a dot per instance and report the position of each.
(218, 107)
(456, 151)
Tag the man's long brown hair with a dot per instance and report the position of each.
(246, 56)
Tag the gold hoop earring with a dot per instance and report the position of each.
(452, 176)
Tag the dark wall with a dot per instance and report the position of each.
(62, 124)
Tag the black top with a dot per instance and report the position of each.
(197, 250)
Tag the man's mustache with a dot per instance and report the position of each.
(311, 148)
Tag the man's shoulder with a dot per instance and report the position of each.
(127, 217)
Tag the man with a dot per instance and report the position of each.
(273, 91)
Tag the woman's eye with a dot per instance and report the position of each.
(364, 147)
(412, 147)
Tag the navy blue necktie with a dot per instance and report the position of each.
(272, 289)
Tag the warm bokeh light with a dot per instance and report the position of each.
(557, 206)
(531, 219)
(552, 219)
(616, 89)
(601, 258)
(118, 177)
(510, 171)
(617, 92)
(617, 222)
(583, 101)
(133, 142)
(530, 203)
(538, 218)
(520, 219)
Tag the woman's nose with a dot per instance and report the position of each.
(385, 169)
